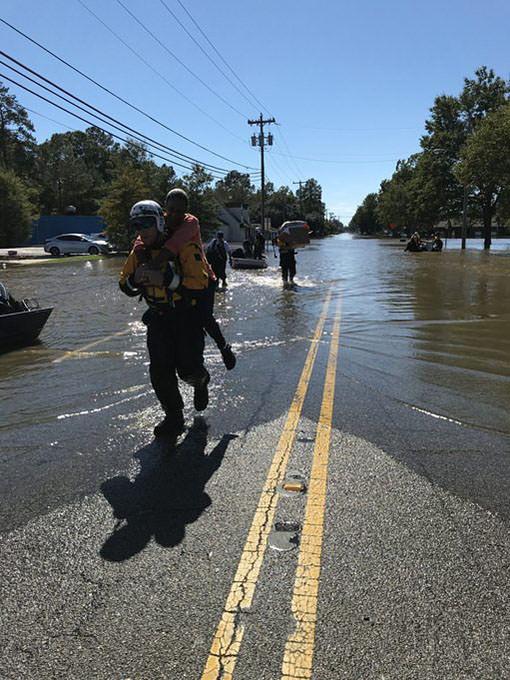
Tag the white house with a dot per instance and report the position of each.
(234, 220)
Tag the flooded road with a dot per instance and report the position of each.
(432, 330)
(119, 558)
(424, 333)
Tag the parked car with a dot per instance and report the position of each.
(65, 244)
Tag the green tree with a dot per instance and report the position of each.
(452, 121)
(333, 226)
(282, 205)
(17, 144)
(127, 188)
(75, 168)
(202, 199)
(485, 163)
(235, 187)
(365, 220)
(16, 210)
(309, 196)
(395, 198)
(158, 178)
(256, 202)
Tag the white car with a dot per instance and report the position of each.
(65, 244)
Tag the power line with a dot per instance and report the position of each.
(279, 170)
(326, 160)
(204, 52)
(116, 127)
(221, 57)
(334, 129)
(118, 97)
(180, 155)
(93, 124)
(179, 61)
(291, 163)
(154, 70)
(58, 122)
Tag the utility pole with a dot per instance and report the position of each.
(261, 140)
(59, 189)
(300, 182)
(464, 217)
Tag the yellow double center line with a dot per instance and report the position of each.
(298, 655)
(76, 352)
(229, 633)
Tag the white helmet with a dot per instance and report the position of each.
(147, 214)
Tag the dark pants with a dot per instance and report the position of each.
(288, 265)
(175, 341)
(209, 323)
(258, 250)
(219, 268)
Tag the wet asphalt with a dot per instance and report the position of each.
(117, 553)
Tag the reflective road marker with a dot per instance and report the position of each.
(298, 655)
(229, 634)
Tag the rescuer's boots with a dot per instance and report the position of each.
(170, 426)
(201, 394)
(229, 358)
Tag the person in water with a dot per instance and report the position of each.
(287, 261)
(437, 244)
(183, 227)
(175, 336)
(218, 252)
(260, 244)
(415, 244)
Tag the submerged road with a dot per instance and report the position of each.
(339, 511)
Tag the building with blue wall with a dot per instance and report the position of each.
(48, 226)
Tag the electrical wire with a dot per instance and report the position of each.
(288, 159)
(327, 160)
(80, 108)
(93, 124)
(169, 149)
(118, 97)
(154, 70)
(57, 122)
(179, 61)
(279, 169)
(208, 56)
(222, 59)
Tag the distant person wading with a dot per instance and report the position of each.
(218, 252)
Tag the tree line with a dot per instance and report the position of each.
(463, 166)
(90, 170)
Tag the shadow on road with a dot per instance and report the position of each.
(167, 494)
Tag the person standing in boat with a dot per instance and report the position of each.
(7, 303)
(218, 252)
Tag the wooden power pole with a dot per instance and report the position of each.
(261, 140)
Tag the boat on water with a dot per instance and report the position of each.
(20, 321)
(248, 263)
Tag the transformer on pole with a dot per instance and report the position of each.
(262, 140)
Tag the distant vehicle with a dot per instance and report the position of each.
(294, 233)
(66, 244)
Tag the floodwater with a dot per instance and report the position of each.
(431, 330)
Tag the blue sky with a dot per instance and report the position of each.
(350, 83)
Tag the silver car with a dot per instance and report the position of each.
(65, 244)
